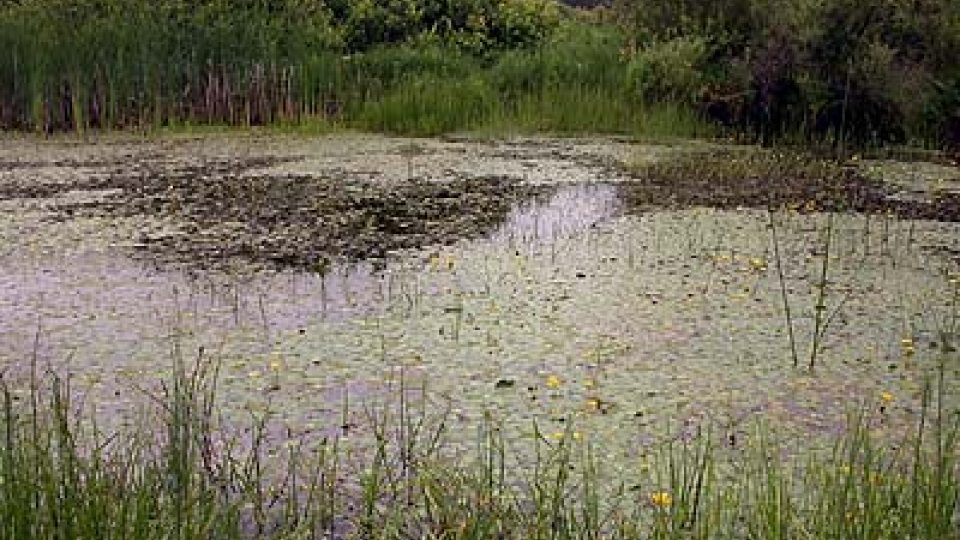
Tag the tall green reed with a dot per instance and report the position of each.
(405, 477)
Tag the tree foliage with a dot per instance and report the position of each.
(868, 70)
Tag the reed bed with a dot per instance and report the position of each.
(133, 64)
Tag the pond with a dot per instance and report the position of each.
(508, 278)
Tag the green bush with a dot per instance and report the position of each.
(787, 67)
(669, 70)
(476, 26)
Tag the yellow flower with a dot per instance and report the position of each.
(758, 264)
(557, 435)
(276, 364)
(661, 499)
(906, 345)
(553, 382)
(886, 397)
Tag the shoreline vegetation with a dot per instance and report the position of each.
(862, 74)
(181, 475)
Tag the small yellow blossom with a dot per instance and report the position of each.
(661, 499)
(886, 397)
(590, 384)
(906, 344)
(758, 264)
(276, 364)
(557, 435)
(553, 382)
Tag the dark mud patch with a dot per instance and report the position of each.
(802, 183)
(223, 215)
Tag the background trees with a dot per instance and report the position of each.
(872, 71)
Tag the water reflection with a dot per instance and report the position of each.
(569, 210)
(106, 308)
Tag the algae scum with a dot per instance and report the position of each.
(535, 282)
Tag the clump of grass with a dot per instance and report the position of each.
(62, 478)
(430, 106)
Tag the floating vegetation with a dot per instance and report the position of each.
(579, 362)
(749, 178)
(221, 214)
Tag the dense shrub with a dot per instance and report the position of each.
(669, 70)
(473, 25)
(868, 71)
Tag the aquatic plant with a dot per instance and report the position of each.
(59, 479)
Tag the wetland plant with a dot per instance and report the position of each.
(783, 288)
(766, 180)
(60, 478)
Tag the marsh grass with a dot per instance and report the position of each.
(430, 106)
(185, 478)
(147, 66)
(573, 83)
